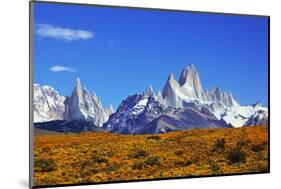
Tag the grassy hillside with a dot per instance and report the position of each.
(101, 157)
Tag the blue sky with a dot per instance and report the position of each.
(118, 51)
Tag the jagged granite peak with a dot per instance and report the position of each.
(149, 91)
(110, 110)
(190, 80)
(176, 95)
(81, 105)
(169, 91)
(47, 104)
(159, 94)
(188, 92)
(160, 99)
(170, 77)
(218, 94)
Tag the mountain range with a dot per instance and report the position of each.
(182, 105)
(81, 105)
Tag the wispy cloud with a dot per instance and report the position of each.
(65, 34)
(58, 68)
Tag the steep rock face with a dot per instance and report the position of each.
(190, 81)
(215, 95)
(188, 92)
(172, 92)
(81, 105)
(48, 104)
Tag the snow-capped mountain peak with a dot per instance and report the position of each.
(188, 92)
(149, 91)
(183, 104)
(190, 81)
(82, 105)
(48, 104)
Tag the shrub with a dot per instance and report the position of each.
(98, 159)
(45, 149)
(219, 144)
(179, 152)
(243, 143)
(137, 165)
(109, 154)
(152, 161)
(86, 163)
(183, 163)
(111, 168)
(94, 170)
(237, 156)
(45, 165)
(137, 153)
(215, 168)
(257, 148)
(153, 137)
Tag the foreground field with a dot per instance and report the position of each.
(102, 157)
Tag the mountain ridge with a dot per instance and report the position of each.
(175, 107)
(81, 105)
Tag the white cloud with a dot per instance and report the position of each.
(58, 68)
(65, 34)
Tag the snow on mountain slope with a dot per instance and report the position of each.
(144, 114)
(178, 99)
(260, 117)
(81, 105)
(48, 104)
(133, 113)
(188, 92)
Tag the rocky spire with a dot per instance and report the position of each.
(217, 93)
(78, 90)
(149, 91)
(82, 105)
(169, 91)
(190, 80)
(111, 109)
(171, 77)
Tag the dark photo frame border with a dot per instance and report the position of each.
(31, 81)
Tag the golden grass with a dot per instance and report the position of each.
(102, 157)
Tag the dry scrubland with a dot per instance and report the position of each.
(102, 157)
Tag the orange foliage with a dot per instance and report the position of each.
(101, 157)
